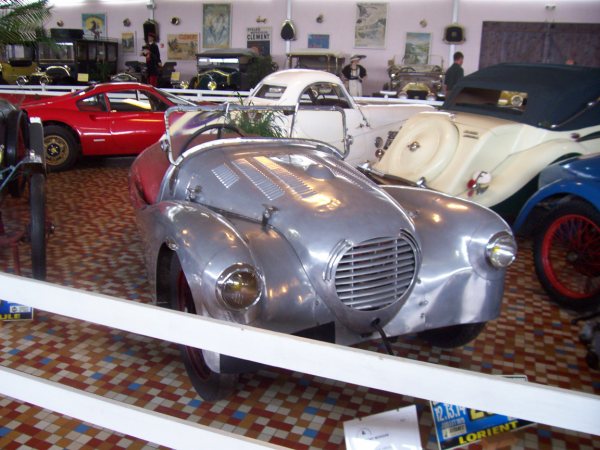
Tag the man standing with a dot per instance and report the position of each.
(151, 65)
(354, 74)
(454, 73)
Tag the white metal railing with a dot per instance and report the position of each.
(530, 401)
(197, 95)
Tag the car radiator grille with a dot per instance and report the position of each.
(376, 273)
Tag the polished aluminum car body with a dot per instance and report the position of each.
(326, 247)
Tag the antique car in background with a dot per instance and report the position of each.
(23, 175)
(17, 63)
(235, 69)
(421, 81)
(563, 217)
(317, 59)
(105, 119)
(327, 112)
(282, 234)
(73, 59)
(496, 131)
(135, 71)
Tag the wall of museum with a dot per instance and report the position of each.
(339, 17)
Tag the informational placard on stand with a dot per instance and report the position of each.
(13, 311)
(457, 426)
(398, 428)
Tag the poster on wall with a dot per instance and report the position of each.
(259, 38)
(371, 22)
(216, 25)
(94, 25)
(417, 47)
(182, 46)
(318, 41)
(128, 42)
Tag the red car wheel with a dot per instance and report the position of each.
(210, 385)
(567, 256)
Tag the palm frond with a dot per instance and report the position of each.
(22, 21)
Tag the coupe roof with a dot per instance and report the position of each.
(556, 94)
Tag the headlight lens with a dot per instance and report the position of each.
(501, 250)
(239, 287)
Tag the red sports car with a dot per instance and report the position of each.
(105, 119)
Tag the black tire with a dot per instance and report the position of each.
(194, 82)
(209, 385)
(452, 336)
(61, 148)
(37, 230)
(567, 255)
(215, 126)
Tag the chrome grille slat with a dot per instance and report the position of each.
(364, 262)
(373, 284)
(375, 274)
(370, 275)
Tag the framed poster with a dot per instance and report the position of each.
(128, 42)
(371, 22)
(417, 47)
(216, 25)
(182, 46)
(259, 39)
(94, 25)
(318, 41)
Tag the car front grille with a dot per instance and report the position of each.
(376, 273)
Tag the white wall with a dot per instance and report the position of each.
(339, 18)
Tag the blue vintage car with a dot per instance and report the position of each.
(564, 215)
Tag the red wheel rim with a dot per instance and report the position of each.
(185, 303)
(571, 256)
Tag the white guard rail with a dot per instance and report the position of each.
(193, 95)
(535, 402)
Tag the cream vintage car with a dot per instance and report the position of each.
(496, 131)
(325, 111)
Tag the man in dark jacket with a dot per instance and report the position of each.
(151, 65)
(454, 73)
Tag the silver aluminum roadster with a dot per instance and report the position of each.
(282, 234)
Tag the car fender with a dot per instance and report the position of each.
(206, 245)
(520, 168)
(456, 283)
(589, 192)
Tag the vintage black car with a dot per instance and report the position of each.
(23, 174)
(234, 69)
(72, 60)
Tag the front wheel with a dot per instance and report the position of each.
(452, 336)
(61, 148)
(567, 256)
(210, 385)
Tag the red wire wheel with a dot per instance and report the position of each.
(209, 385)
(567, 255)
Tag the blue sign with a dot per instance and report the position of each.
(14, 311)
(458, 426)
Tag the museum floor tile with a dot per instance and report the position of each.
(96, 247)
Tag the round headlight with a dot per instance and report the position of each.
(501, 250)
(212, 85)
(239, 287)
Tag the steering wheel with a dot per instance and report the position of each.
(407, 69)
(215, 126)
(436, 69)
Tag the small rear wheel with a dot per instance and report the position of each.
(567, 256)
(452, 336)
(61, 148)
(210, 385)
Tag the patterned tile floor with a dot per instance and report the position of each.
(96, 247)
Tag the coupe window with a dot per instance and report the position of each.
(324, 94)
(270, 91)
(94, 103)
(135, 101)
(510, 101)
